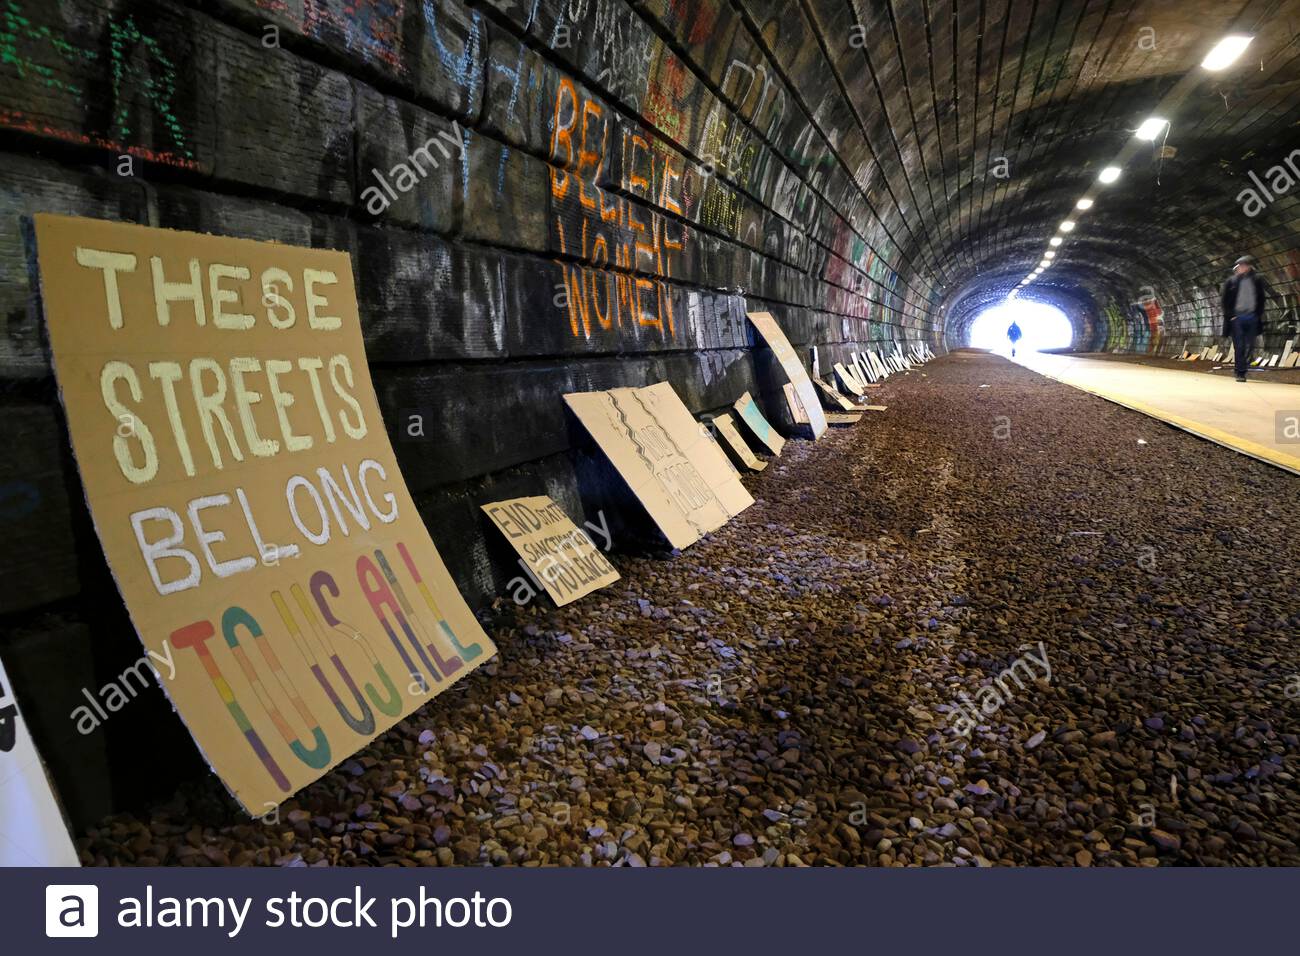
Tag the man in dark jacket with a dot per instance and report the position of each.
(1013, 333)
(1245, 297)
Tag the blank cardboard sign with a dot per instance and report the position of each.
(863, 372)
(699, 446)
(760, 426)
(798, 375)
(848, 378)
(246, 495)
(832, 396)
(796, 406)
(671, 462)
(726, 426)
(553, 550)
(843, 418)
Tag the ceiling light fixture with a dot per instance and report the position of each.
(1152, 128)
(1109, 174)
(1067, 226)
(1057, 240)
(1084, 204)
(1049, 255)
(1226, 51)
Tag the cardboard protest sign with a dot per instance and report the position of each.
(843, 418)
(798, 375)
(849, 380)
(671, 466)
(32, 831)
(246, 495)
(553, 550)
(760, 426)
(726, 426)
(699, 445)
(796, 406)
(874, 358)
(862, 370)
(833, 397)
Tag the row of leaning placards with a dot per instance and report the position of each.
(246, 495)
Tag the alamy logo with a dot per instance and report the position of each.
(71, 910)
(1280, 178)
(1288, 426)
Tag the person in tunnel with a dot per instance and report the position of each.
(1013, 333)
(1245, 296)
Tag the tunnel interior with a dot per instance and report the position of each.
(550, 197)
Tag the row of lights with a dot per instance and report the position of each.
(1224, 54)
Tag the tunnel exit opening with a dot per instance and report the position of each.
(1042, 326)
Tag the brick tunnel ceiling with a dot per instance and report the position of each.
(974, 128)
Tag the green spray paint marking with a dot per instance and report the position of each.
(124, 37)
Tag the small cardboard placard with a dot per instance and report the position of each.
(848, 378)
(798, 375)
(834, 397)
(726, 426)
(669, 460)
(796, 406)
(860, 367)
(750, 414)
(874, 358)
(553, 550)
(32, 831)
(246, 495)
(843, 418)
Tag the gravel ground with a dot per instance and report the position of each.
(783, 692)
(1287, 376)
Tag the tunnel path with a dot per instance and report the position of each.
(783, 692)
(1244, 417)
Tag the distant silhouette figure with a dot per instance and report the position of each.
(1245, 296)
(1014, 333)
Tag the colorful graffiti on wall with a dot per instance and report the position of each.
(608, 229)
(140, 73)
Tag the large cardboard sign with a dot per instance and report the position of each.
(32, 831)
(798, 375)
(699, 445)
(670, 461)
(726, 426)
(246, 495)
(553, 550)
(750, 414)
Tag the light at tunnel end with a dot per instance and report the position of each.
(1043, 327)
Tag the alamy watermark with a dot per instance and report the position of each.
(1281, 179)
(405, 176)
(992, 697)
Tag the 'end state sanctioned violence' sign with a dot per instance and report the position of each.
(246, 495)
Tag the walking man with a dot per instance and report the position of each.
(1245, 296)
(1013, 333)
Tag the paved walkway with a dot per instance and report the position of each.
(1250, 418)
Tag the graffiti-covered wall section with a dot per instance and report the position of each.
(538, 197)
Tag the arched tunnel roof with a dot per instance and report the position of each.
(975, 128)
